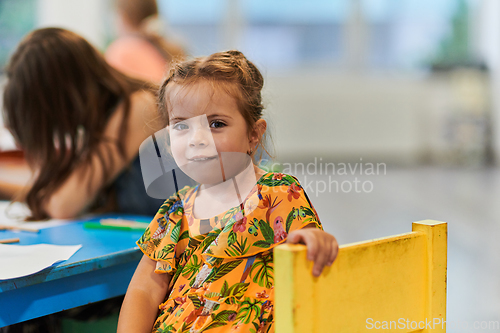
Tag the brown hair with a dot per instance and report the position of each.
(137, 12)
(229, 70)
(58, 99)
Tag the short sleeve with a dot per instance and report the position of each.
(302, 211)
(166, 236)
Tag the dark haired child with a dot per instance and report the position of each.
(79, 123)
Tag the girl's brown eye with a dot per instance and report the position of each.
(217, 124)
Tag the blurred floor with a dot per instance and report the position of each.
(469, 200)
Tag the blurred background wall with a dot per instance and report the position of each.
(399, 81)
(412, 84)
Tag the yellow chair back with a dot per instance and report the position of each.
(391, 284)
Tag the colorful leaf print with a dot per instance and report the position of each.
(155, 242)
(172, 200)
(237, 291)
(252, 330)
(238, 249)
(230, 213)
(144, 247)
(165, 329)
(308, 211)
(174, 235)
(215, 324)
(264, 271)
(146, 236)
(166, 205)
(220, 319)
(289, 221)
(225, 288)
(215, 262)
(267, 231)
(247, 308)
(176, 208)
(229, 225)
(165, 251)
(231, 238)
(223, 315)
(209, 239)
(186, 327)
(191, 268)
(196, 301)
(186, 255)
(193, 243)
(184, 235)
(274, 182)
(211, 295)
(262, 243)
(176, 275)
(218, 272)
(286, 180)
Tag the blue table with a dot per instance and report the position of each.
(101, 269)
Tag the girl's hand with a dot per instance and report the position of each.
(322, 248)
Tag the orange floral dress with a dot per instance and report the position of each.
(222, 268)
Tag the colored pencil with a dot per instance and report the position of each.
(9, 241)
(17, 228)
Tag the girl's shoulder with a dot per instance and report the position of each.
(277, 182)
(277, 179)
(166, 236)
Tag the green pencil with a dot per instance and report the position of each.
(137, 226)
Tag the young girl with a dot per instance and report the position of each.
(207, 266)
(79, 123)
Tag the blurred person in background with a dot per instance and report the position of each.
(80, 123)
(140, 51)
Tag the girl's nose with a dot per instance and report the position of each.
(200, 137)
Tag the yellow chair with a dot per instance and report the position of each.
(391, 284)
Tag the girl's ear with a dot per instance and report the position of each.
(257, 132)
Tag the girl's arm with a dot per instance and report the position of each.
(145, 293)
(81, 187)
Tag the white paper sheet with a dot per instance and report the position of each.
(13, 215)
(22, 260)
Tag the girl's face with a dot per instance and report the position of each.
(208, 135)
